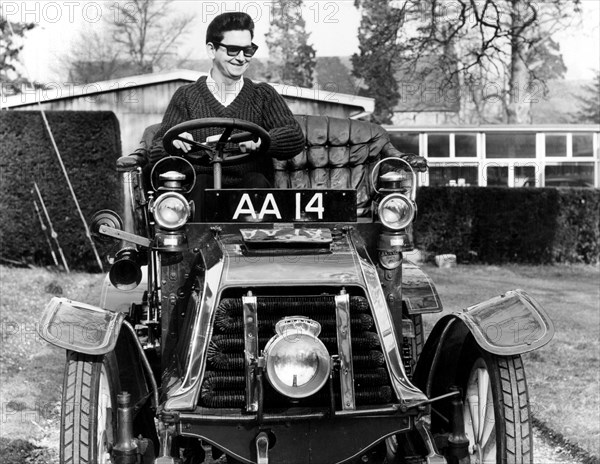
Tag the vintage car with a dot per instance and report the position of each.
(283, 325)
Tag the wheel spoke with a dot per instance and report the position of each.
(472, 400)
(468, 420)
(488, 450)
(483, 384)
(104, 434)
(489, 428)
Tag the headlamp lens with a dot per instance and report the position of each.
(171, 210)
(396, 211)
(295, 364)
(297, 361)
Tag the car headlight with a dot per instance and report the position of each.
(171, 210)
(297, 361)
(396, 211)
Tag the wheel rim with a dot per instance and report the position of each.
(479, 417)
(105, 432)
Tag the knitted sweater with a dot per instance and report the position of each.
(257, 103)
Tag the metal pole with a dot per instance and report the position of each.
(64, 170)
(85, 226)
(53, 233)
(45, 230)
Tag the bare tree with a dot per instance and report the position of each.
(137, 37)
(589, 112)
(499, 50)
(148, 31)
(93, 56)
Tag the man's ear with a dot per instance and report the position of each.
(210, 50)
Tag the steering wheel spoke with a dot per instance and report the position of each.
(224, 139)
(194, 143)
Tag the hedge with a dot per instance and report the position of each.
(89, 143)
(520, 225)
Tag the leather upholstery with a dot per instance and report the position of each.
(339, 153)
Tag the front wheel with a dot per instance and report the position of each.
(496, 410)
(89, 409)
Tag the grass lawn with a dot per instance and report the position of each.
(32, 370)
(563, 377)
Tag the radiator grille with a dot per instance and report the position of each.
(224, 380)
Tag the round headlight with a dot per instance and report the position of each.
(171, 210)
(396, 211)
(297, 361)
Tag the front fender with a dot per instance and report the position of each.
(80, 327)
(508, 324)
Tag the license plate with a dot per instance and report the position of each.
(276, 205)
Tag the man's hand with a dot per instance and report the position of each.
(185, 147)
(418, 163)
(248, 146)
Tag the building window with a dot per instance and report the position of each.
(525, 176)
(583, 145)
(570, 175)
(556, 145)
(459, 176)
(465, 145)
(510, 145)
(497, 176)
(438, 146)
(406, 143)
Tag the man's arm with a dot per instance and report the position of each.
(176, 113)
(287, 138)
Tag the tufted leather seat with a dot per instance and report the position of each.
(339, 153)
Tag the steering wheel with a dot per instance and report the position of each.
(217, 152)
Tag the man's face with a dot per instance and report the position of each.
(231, 67)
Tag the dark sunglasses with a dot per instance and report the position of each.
(234, 50)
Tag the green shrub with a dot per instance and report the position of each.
(444, 222)
(89, 143)
(578, 226)
(522, 225)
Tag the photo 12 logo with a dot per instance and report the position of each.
(51, 12)
(312, 11)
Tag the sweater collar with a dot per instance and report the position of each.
(224, 95)
(233, 108)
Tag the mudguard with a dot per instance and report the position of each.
(509, 324)
(506, 325)
(418, 291)
(80, 327)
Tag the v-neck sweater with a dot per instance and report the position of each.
(257, 102)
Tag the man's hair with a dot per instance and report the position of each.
(229, 22)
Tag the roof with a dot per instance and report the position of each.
(54, 93)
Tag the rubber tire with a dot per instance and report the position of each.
(514, 438)
(79, 417)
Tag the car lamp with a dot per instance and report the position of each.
(396, 211)
(297, 362)
(171, 210)
(394, 181)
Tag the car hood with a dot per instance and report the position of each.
(284, 267)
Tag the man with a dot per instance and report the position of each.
(226, 93)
